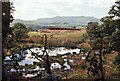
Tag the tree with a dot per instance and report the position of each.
(100, 41)
(106, 37)
(115, 13)
(115, 10)
(7, 18)
(20, 31)
(96, 36)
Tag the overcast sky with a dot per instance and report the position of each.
(34, 9)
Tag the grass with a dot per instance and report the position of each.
(71, 35)
(58, 36)
(32, 33)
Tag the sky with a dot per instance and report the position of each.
(35, 9)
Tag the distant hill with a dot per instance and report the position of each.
(58, 21)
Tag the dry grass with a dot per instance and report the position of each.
(59, 35)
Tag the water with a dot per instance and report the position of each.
(55, 51)
(52, 52)
(55, 65)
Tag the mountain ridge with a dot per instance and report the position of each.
(57, 21)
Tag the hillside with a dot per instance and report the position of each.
(58, 21)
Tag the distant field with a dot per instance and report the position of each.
(59, 35)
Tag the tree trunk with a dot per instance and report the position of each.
(101, 66)
(101, 60)
(4, 77)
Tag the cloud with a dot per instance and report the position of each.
(33, 9)
(100, 3)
